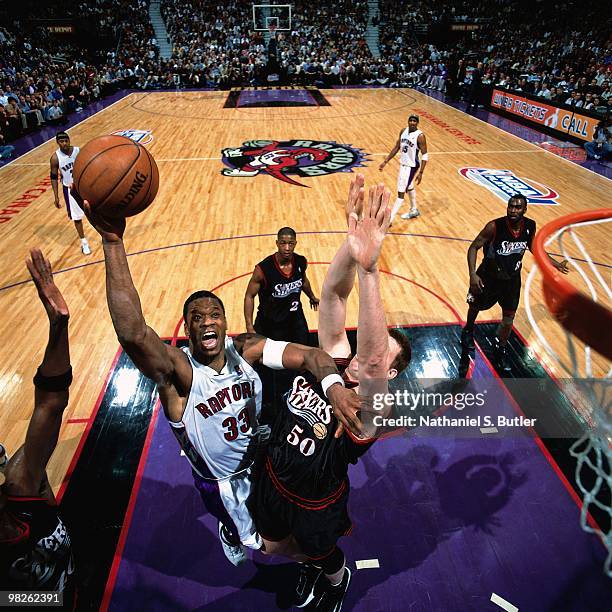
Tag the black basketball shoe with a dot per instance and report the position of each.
(307, 580)
(331, 597)
(502, 358)
(467, 340)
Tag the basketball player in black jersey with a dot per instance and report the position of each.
(278, 281)
(498, 278)
(35, 549)
(300, 501)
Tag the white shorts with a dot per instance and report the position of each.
(228, 499)
(75, 212)
(405, 180)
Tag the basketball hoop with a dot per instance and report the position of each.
(578, 313)
(584, 317)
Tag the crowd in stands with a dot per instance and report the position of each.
(539, 48)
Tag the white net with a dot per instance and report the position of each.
(592, 451)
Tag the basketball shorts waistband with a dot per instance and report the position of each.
(304, 502)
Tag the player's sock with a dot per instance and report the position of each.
(336, 578)
(396, 207)
(412, 196)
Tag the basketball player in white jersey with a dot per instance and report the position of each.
(210, 392)
(62, 162)
(413, 144)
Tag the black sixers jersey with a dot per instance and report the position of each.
(40, 557)
(279, 295)
(305, 462)
(504, 253)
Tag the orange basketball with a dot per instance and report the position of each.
(116, 175)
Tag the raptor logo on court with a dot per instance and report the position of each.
(142, 137)
(504, 183)
(281, 158)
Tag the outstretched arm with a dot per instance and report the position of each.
(290, 356)
(365, 239)
(337, 286)
(51, 381)
(151, 356)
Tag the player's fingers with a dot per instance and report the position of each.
(339, 430)
(386, 221)
(359, 202)
(352, 221)
(383, 204)
(372, 194)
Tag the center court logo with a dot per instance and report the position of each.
(142, 137)
(504, 183)
(281, 158)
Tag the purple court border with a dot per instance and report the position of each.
(195, 576)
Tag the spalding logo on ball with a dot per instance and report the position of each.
(116, 175)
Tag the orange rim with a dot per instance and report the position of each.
(586, 319)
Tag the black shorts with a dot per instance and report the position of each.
(316, 531)
(293, 329)
(506, 293)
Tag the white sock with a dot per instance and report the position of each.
(396, 207)
(336, 579)
(412, 196)
(83, 240)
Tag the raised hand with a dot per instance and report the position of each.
(365, 236)
(110, 228)
(345, 404)
(50, 296)
(354, 203)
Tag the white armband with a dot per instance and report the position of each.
(329, 380)
(273, 354)
(424, 157)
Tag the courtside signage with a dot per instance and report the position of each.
(504, 183)
(282, 158)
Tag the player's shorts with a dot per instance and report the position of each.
(226, 501)
(405, 180)
(293, 329)
(75, 212)
(506, 293)
(316, 530)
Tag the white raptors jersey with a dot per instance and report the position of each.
(409, 148)
(217, 431)
(66, 163)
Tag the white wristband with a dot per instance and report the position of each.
(424, 157)
(273, 354)
(329, 380)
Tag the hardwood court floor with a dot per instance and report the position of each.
(206, 230)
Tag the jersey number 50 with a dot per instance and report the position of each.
(306, 445)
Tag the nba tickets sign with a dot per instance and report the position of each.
(282, 158)
(504, 183)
